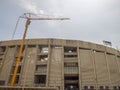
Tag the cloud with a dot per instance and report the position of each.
(48, 8)
(34, 6)
(30, 6)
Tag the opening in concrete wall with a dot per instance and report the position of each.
(43, 49)
(71, 82)
(0, 61)
(2, 82)
(31, 46)
(2, 49)
(104, 87)
(41, 68)
(16, 79)
(19, 69)
(89, 88)
(40, 80)
(21, 59)
(42, 58)
(70, 56)
(70, 49)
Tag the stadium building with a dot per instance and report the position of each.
(57, 64)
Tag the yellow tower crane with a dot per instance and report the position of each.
(29, 18)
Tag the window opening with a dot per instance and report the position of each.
(70, 56)
(70, 49)
(2, 49)
(41, 68)
(43, 49)
(2, 83)
(42, 58)
(40, 80)
(71, 83)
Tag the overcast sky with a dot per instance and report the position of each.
(90, 20)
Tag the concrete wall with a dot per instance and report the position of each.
(87, 69)
(27, 78)
(8, 62)
(101, 69)
(55, 77)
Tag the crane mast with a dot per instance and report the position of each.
(28, 18)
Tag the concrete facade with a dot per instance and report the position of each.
(65, 64)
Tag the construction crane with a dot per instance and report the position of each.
(28, 17)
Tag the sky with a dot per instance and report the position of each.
(90, 20)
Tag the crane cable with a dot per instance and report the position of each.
(15, 28)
